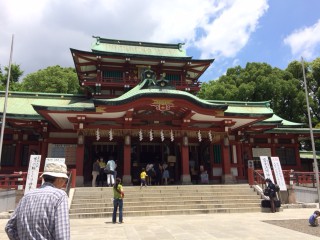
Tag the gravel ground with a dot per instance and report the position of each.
(300, 225)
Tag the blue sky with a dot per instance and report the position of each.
(233, 32)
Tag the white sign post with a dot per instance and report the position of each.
(266, 168)
(33, 172)
(278, 173)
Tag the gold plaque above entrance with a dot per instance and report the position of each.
(162, 104)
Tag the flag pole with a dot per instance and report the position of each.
(5, 101)
(315, 163)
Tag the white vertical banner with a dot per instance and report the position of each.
(266, 168)
(33, 172)
(278, 173)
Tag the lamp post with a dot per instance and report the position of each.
(311, 131)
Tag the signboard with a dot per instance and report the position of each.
(67, 151)
(257, 152)
(33, 172)
(278, 173)
(54, 160)
(266, 168)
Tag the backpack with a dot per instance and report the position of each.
(277, 188)
(266, 192)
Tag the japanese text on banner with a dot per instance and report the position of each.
(266, 168)
(278, 173)
(33, 172)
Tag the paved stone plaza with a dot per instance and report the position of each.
(195, 227)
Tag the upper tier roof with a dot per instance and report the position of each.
(138, 48)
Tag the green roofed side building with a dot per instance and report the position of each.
(140, 106)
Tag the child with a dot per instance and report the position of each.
(143, 176)
(313, 219)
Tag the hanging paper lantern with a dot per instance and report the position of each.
(210, 136)
(162, 135)
(140, 135)
(151, 135)
(199, 136)
(98, 134)
(110, 134)
(171, 136)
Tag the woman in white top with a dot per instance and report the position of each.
(111, 167)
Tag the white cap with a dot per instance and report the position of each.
(55, 170)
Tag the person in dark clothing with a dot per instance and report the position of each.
(272, 194)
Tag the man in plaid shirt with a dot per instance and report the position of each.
(43, 213)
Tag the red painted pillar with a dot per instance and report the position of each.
(43, 152)
(297, 153)
(240, 164)
(226, 177)
(127, 180)
(226, 165)
(79, 165)
(74, 175)
(185, 174)
(250, 176)
(17, 160)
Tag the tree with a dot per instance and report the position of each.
(260, 82)
(54, 79)
(15, 75)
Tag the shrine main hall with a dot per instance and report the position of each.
(140, 106)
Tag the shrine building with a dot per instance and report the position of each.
(140, 106)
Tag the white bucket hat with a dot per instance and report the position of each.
(55, 170)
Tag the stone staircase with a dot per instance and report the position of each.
(88, 202)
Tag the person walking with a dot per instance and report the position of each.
(111, 167)
(102, 175)
(165, 174)
(143, 176)
(43, 213)
(118, 196)
(150, 173)
(95, 172)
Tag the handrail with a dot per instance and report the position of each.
(298, 178)
(69, 183)
(17, 180)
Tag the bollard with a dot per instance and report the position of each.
(291, 193)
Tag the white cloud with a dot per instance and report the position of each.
(305, 42)
(45, 30)
(230, 31)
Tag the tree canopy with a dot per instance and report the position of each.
(15, 75)
(261, 82)
(54, 79)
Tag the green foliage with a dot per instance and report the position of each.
(15, 75)
(261, 82)
(54, 79)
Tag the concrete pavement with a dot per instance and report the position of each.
(189, 227)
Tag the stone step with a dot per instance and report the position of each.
(167, 198)
(170, 188)
(166, 207)
(165, 212)
(164, 195)
(169, 202)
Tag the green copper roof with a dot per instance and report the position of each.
(245, 108)
(20, 104)
(308, 154)
(138, 48)
(293, 130)
(139, 91)
(283, 122)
